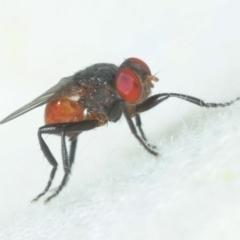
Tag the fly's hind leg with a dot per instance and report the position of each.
(63, 129)
(51, 160)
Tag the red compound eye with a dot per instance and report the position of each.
(128, 85)
(141, 63)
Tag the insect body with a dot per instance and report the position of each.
(91, 98)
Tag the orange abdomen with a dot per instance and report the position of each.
(64, 110)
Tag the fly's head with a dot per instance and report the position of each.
(134, 81)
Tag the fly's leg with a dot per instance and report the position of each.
(73, 147)
(51, 160)
(66, 167)
(63, 129)
(139, 126)
(133, 128)
(158, 98)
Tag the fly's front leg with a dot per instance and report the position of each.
(154, 100)
(158, 98)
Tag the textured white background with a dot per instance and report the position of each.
(118, 191)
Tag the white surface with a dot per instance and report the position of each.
(118, 191)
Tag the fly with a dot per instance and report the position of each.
(92, 97)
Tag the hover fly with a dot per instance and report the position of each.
(92, 97)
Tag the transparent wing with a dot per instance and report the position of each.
(63, 88)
